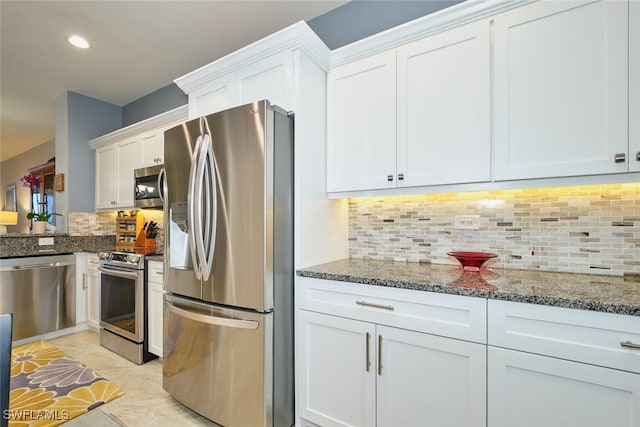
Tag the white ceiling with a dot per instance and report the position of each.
(138, 47)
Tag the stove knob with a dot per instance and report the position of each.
(133, 258)
(103, 255)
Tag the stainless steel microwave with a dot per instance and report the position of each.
(148, 187)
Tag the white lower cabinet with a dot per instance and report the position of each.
(531, 390)
(93, 291)
(552, 366)
(366, 373)
(154, 304)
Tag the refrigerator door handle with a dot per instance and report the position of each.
(211, 210)
(213, 320)
(194, 206)
(161, 185)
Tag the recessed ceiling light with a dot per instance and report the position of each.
(79, 41)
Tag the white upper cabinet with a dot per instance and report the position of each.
(129, 159)
(361, 124)
(106, 163)
(413, 116)
(634, 86)
(119, 153)
(152, 148)
(114, 174)
(561, 89)
(444, 108)
(268, 79)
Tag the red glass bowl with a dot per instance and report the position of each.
(472, 261)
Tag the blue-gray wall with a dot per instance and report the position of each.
(79, 119)
(157, 102)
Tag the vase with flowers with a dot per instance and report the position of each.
(40, 220)
(32, 181)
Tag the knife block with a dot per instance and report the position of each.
(145, 245)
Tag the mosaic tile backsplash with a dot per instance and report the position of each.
(104, 223)
(585, 229)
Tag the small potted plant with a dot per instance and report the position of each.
(40, 221)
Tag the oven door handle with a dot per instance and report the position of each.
(213, 320)
(125, 274)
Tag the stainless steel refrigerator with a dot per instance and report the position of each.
(228, 308)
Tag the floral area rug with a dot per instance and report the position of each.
(48, 387)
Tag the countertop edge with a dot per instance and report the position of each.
(478, 293)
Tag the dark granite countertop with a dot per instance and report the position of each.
(24, 245)
(612, 294)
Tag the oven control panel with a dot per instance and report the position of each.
(121, 258)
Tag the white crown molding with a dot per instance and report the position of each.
(296, 36)
(176, 115)
(454, 16)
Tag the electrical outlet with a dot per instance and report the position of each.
(467, 222)
(45, 241)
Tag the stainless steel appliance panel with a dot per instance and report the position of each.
(179, 275)
(218, 361)
(147, 185)
(122, 301)
(244, 171)
(40, 292)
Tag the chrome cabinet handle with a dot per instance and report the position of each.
(389, 177)
(620, 157)
(374, 305)
(379, 354)
(367, 362)
(629, 344)
(161, 273)
(638, 156)
(84, 281)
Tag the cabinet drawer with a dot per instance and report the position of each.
(155, 271)
(439, 314)
(580, 335)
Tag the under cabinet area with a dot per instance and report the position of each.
(155, 297)
(551, 366)
(412, 116)
(364, 357)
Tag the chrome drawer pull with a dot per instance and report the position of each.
(630, 344)
(372, 304)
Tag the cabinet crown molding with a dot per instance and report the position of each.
(164, 119)
(297, 36)
(445, 19)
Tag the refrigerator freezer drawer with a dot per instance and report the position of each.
(218, 361)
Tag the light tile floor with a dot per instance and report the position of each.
(145, 402)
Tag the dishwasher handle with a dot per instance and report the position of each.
(213, 320)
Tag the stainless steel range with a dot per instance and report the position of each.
(123, 305)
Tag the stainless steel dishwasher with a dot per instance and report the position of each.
(40, 292)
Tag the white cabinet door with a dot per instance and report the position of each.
(337, 370)
(634, 86)
(216, 96)
(152, 145)
(561, 89)
(530, 390)
(156, 298)
(426, 380)
(444, 108)
(93, 292)
(129, 159)
(361, 124)
(106, 180)
(267, 79)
